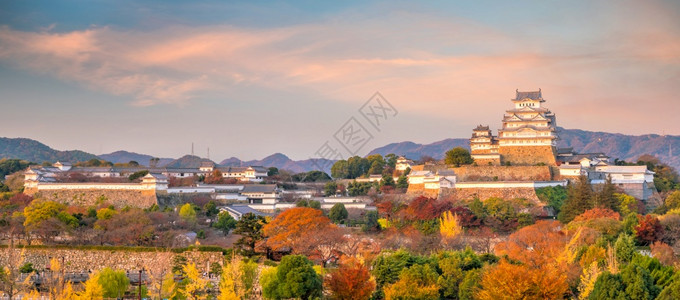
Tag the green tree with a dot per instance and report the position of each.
(225, 222)
(377, 164)
(553, 196)
(295, 278)
(402, 182)
(625, 248)
(391, 160)
(579, 199)
(187, 213)
(606, 196)
(330, 188)
(458, 156)
(370, 222)
(387, 180)
(114, 283)
(470, 285)
(340, 169)
(272, 171)
(210, 209)
(138, 174)
(608, 286)
(672, 291)
(250, 229)
(338, 213)
(358, 188)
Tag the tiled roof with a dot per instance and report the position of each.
(259, 188)
(533, 95)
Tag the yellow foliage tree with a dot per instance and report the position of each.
(93, 290)
(588, 279)
(196, 285)
(67, 293)
(229, 281)
(449, 227)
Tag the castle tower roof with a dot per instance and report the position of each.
(533, 95)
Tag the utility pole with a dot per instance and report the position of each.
(140, 284)
(192, 148)
(208, 152)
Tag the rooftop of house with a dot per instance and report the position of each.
(259, 188)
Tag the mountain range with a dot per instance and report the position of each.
(616, 145)
(38, 152)
(626, 147)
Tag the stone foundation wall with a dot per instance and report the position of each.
(84, 260)
(117, 198)
(487, 162)
(503, 173)
(483, 194)
(528, 155)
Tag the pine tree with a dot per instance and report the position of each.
(579, 199)
(606, 198)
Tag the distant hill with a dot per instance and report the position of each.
(187, 161)
(37, 152)
(125, 157)
(416, 151)
(282, 162)
(627, 147)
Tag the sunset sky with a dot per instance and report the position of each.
(251, 78)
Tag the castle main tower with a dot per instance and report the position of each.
(528, 135)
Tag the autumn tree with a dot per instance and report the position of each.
(157, 271)
(48, 219)
(196, 285)
(350, 281)
(215, 177)
(449, 227)
(10, 272)
(92, 288)
(301, 229)
(648, 230)
(664, 253)
(250, 229)
(237, 279)
(415, 282)
(113, 282)
(187, 213)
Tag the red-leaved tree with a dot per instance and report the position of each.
(351, 281)
(648, 230)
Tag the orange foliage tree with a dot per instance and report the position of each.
(302, 229)
(214, 178)
(535, 245)
(351, 281)
(546, 263)
(597, 213)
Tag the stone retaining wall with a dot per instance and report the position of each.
(117, 198)
(503, 173)
(85, 260)
(527, 155)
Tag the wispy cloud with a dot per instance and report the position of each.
(424, 58)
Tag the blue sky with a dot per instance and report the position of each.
(248, 79)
